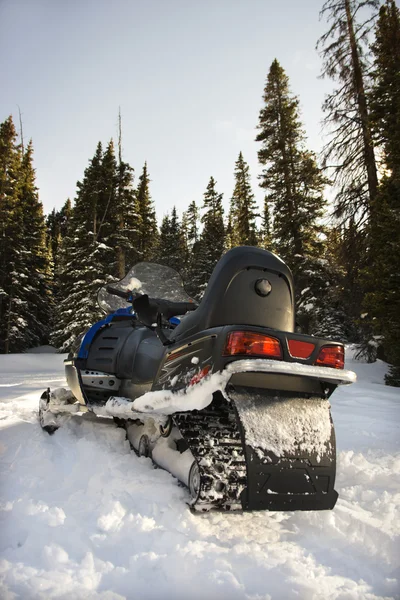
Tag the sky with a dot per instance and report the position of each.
(188, 77)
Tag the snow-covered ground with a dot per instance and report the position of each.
(82, 517)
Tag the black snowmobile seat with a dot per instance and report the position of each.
(231, 297)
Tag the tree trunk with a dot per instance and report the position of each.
(369, 155)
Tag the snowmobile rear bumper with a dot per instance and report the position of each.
(290, 371)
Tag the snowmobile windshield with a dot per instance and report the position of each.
(157, 281)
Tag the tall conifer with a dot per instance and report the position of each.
(193, 227)
(382, 274)
(38, 288)
(25, 293)
(172, 249)
(294, 194)
(212, 241)
(56, 228)
(243, 209)
(13, 306)
(147, 223)
(87, 261)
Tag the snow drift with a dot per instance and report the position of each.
(82, 517)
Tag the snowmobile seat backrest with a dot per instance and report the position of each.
(249, 286)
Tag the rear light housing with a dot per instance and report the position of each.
(331, 356)
(300, 349)
(249, 343)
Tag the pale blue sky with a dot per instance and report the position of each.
(188, 75)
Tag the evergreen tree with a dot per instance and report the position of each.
(385, 94)
(382, 273)
(105, 196)
(165, 239)
(127, 219)
(87, 261)
(185, 244)
(147, 239)
(231, 237)
(172, 249)
(192, 220)
(126, 213)
(13, 306)
(350, 252)
(291, 177)
(193, 228)
(382, 277)
(122, 215)
(321, 304)
(25, 293)
(265, 235)
(294, 186)
(38, 288)
(242, 230)
(212, 241)
(347, 120)
(101, 242)
(56, 227)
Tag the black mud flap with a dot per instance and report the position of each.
(290, 450)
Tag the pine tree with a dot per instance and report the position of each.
(347, 120)
(382, 274)
(192, 219)
(25, 294)
(172, 249)
(125, 212)
(13, 306)
(294, 194)
(193, 227)
(56, 227)
(242, 228)
(87, 261)
(37, 259)
(291, 177)
(147, 223)
(126, 216)
(385, 93)
(265, 235)
(212, 241)
(106, 205)
(165, 239)
(103, 238)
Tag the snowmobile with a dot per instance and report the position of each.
(229, 398)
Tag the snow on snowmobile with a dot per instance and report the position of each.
(228, 398)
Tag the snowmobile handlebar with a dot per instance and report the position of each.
(172, 309)
(166, 307)
(116, 292)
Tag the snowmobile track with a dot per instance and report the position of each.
(214, 439)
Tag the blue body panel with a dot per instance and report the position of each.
(89, 335)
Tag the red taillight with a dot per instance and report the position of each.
(299, 349)
(331, 356)
(252, 344)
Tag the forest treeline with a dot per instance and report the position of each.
(346, 262)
